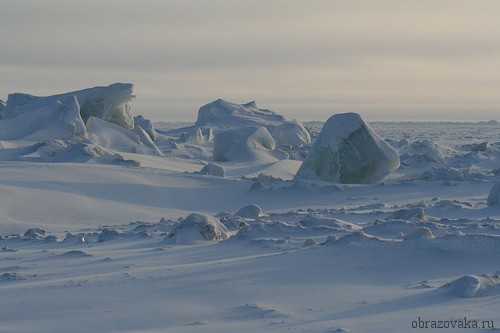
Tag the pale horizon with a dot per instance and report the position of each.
(425, 60)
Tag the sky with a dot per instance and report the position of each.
(387, 60)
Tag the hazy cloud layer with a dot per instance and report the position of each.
(307, 59)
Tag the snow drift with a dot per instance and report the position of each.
(470, 286)
(348, 151)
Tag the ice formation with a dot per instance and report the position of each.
(145, 138)
(423, 151)
(198, 227)
(110, 103)
(348, 151)
(494, 196)
(222, 115)
(244, 144)
(193, 136)
(146, 125)
(56, 119)
(114, 137)
(212, 170)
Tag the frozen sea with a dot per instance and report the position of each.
(113, 247)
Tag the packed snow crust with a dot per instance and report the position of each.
(112, 229)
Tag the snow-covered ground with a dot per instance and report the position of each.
(98, 232)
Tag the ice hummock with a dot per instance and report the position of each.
(245, 144)
(90, 124)
(114, 137)
(109, 103)
(348, 151)
(221, 114)
(56, 119)
(198, 227)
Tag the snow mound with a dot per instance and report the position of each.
(409, 214)
(198, 227)
(109, 103)
(109, 234)
(470, 286)
(251, 212)
(212, 170)
(276, 230)
(419, 233)
(244, 144)
(494, 196)
(348, 151)
(222, 115)
(34, 233)
(76, 254)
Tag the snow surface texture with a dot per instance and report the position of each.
(118, 238)
(494, 196)
(348, 151)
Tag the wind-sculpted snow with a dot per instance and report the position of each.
(348, 151)
(252, 251)
(470, 286)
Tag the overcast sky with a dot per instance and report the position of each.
(397, 59)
